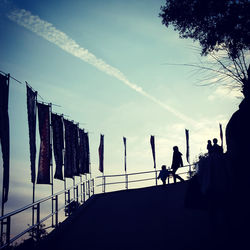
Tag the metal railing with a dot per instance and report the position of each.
(79, 196)
(81, 192)
(127, 176)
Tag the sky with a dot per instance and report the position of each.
(105, 65)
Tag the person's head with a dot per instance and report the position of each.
(215, 141)
(163, 167)
(209, 142)
(175, 148)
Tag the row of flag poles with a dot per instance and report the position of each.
(58, 136)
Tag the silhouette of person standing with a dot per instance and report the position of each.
(176, 163)
(164, 174)
(209, 147)
(216, 149)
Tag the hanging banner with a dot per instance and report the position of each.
(75, 150)
(152, 142)
(58, 144)
(101, 153)
(125, 153)
(87, 154)
(5, 133)
(221, 136)
(31, 110)
(84, 152)
(43, 176)
(187, 143)
(68, 156)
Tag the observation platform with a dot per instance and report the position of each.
(147, 218)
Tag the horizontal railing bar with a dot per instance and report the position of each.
(37, 202)
(153, 171)
(148, 179)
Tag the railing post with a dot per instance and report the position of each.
(88, 188)
(93, 186)
(156, 177)
(84, 191)
(126, 180)
(56, 207)
(77, 194)
(103, 185)
(8, 231)
(81, 188)
(38, 222)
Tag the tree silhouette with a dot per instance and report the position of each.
(219, 26)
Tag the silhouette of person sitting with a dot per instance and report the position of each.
(209, 147)
(216, 149)
(164, 174)
(176, 163)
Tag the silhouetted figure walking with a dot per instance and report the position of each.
(216, 149)
(164, 174)
(209, 147)
(176, 163)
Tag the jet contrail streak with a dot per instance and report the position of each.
(46, 30)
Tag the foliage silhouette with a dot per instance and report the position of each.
(219, 26)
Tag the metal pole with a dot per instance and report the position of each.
(51, 163)
(56, 200)
(65, 194)
(81, 188)
(38, 221)
(74, 188)
(156, 177)
(33, 209)
(126, 179)
(2, 214)
(93, 187)
(2, 209)
(103, 186)
(34, 184)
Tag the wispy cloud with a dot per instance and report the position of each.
(46, 30)
(225, 92)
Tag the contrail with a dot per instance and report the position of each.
(46, 30)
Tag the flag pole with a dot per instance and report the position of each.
(125, 162)
(2, 212)
(34, 182)
(152, 142)
(51, 163)
(221, 136)
(3, 193)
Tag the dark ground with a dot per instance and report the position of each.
(147, 218)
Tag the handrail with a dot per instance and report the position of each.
(36, 205)
(36, 202)
(86, 189)
(145, 172)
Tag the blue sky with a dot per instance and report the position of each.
(130, 92)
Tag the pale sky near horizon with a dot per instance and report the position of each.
(105, 64)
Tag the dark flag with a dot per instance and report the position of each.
(84, 152)
(5, 133)
(152, 142)
(68, 156)
(31, 109)
(75, 150)
(43, 176)
(221, 136)
(187, 143)
(125, 153)
(101, 153)
(87, 154)
(58, 144)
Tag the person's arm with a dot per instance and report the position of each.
(181, 161)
